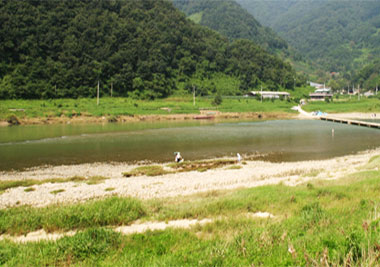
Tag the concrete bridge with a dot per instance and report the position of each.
(351, 122)
(338, 120)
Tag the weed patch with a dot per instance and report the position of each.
(154, 170)
(108, 189)
(235, 167)
(90, 244)
(200, 165)
(312, 173)
(95, 180)
(4, 185)
(55, 192)
(29, 189)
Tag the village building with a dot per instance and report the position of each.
(316, 85)
(321, 92)
(269, 94)
(320, 96)
(369, 93)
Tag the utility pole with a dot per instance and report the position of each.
(193, 95)
(97, 95)
(261, 93)
(111, 88)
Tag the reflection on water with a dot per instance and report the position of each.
(286, 140)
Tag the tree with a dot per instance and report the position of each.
(217, 100)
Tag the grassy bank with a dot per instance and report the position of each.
(113, 107)
(345, 105)
(320, 223)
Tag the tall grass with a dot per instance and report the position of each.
(111, 211)
(324, 223)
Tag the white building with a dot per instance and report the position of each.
(269, 94)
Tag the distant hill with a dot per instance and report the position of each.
(339, 35)
(230, 19)
(144, 49)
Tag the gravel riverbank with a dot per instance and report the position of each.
(251, 174)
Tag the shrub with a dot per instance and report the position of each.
(13, 120)
(217, 100)
(153, 170)
(90, 243)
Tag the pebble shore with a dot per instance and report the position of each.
(251, 174)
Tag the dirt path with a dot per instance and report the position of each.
(136, 227)
(126, 230)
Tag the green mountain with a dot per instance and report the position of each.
(144, 49)
(230, 19)
(341, 36)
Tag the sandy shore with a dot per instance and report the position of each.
(356, 115)
(251, 174)
(352, 115)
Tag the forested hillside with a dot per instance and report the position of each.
(340, 35)
(145, 49)
(369, 76)
(230, 19)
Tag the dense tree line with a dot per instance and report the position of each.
(52, 49)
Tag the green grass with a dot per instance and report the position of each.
(108, 189)
(55, 192)
(235, 167)
(324, 222)
(95, 180)
(200, 165)
(113, 107)
(153, 170)
(29, 189)
(4, 185)
(111, 211)
(345, 104)
(187, 166)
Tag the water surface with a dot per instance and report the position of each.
(279, 140)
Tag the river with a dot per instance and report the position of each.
(275, 140)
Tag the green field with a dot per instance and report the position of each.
(127, 106)
(320, 223)
(345, 105)
(114, 107)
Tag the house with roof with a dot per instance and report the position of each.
(320, 94)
